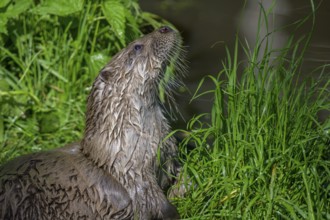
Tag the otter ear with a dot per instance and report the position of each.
(105, 74)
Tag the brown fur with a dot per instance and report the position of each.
(114, 172)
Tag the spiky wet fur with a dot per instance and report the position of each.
(132, 125)
(114, 172)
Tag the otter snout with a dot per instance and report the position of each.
(165, 29)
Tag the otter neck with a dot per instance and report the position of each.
(124, 127)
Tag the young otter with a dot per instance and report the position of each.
(113, 173)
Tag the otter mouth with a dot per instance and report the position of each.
(173, 56)
(164, 66)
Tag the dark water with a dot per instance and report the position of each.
(210, 25)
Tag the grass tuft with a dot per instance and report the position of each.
(264, 154)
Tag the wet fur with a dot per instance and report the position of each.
(113, 173)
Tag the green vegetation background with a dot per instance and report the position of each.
(50, 54)
(263, 155)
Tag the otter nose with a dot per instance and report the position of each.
(165, 30)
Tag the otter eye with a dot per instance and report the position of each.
(138, 47)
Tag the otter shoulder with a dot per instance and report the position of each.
(65, 175)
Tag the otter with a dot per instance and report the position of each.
(124, 162)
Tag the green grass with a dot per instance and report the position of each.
(262, 155)
(50, 53)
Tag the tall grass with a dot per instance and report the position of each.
(264, 154)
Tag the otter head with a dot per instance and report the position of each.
(145, 59)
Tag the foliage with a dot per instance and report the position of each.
(264, 154)
(50, 53)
